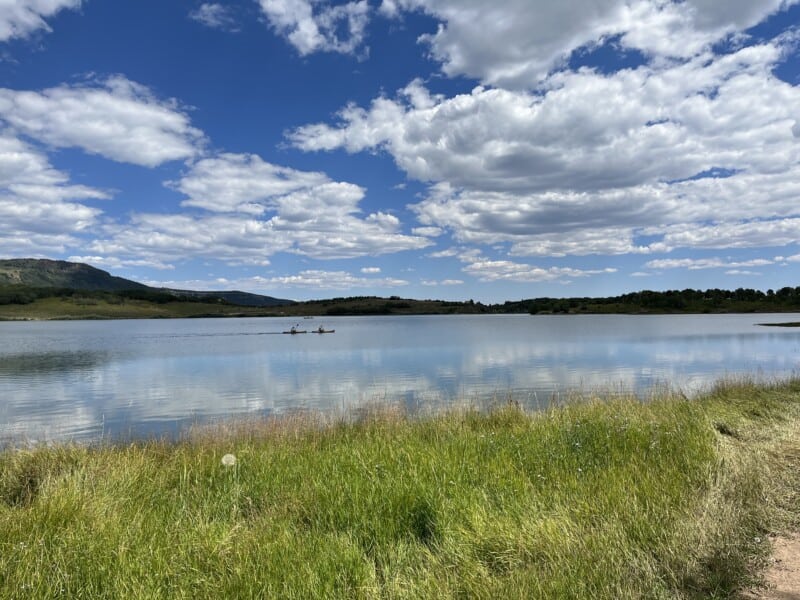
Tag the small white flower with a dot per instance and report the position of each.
(229, 460)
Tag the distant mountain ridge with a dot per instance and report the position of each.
(41, 272)
(46, 273)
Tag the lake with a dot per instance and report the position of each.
(87, 380)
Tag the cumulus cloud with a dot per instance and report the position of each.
(635, 161)
(245, 183)
(734, 234)
(505, 270)
(693, 146)
(251, 210)
(172, 238)
(694, 264)
(41, 211)
(317, 26)
(20, 18)
(590, 131)
(331, 280)
(214, 15)
(542, 35)
(117, 118)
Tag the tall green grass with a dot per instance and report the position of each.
(618, 499)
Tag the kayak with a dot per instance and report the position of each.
(324, 331)
(294, 331)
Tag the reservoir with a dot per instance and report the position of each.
(118, 380)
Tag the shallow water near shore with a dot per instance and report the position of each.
(92, 380)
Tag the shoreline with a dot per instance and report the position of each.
(244, 315)
(612, 498)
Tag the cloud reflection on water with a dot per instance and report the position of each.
(150, 378)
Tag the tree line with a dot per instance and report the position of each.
(673, 301)
(786, 299)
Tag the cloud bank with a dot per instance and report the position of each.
(251, 210)
(639, 160)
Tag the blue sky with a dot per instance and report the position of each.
(449, 149)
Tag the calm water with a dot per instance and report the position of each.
(84, 380)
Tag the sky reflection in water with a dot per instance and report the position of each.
(120, 379)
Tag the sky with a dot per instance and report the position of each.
(450, 149)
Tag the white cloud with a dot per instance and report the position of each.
(241, 183)
(117, 119)
(694, 264)
(742, 234)
(446, 253)
(587, 131)
(443, 282)
(591, 163)
(251, 210)
(504, 270)
(20, 18)
(742, 272)
(310, 30)
(371, 270)
(538, 36)
(40, 212)
(111, 262)
(331, 280)
(606, 241)
(215, 15)
(389, 9)
(323, 222)
(428, 231)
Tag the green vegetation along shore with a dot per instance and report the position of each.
(25, 303)
(672, 498)
(81, 304)
(40, 289)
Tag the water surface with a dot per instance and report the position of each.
(84, 380)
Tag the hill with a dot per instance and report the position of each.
(37, 273)
(44, 273)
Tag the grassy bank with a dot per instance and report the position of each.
(56, 308)
(672, 498)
